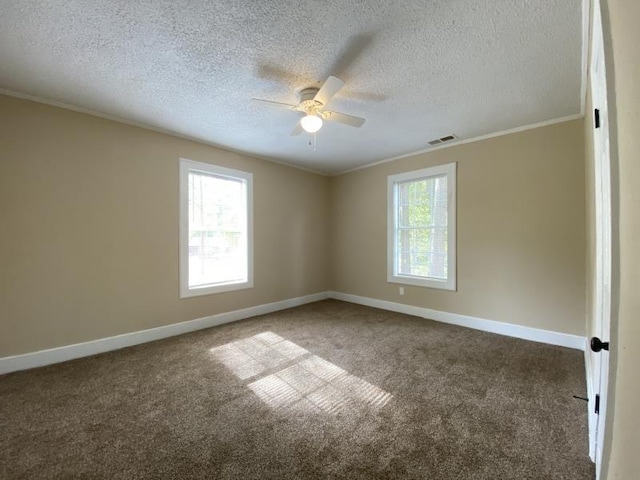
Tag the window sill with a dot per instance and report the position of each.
(424, 282)
(213, 289)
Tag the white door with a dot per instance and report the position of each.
(602, 302)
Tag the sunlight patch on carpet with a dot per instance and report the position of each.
(303, 381)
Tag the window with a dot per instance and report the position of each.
(216, 250)
(421, 246)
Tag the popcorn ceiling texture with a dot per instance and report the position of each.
(417, 70)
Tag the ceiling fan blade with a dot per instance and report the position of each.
(344, 118)
(276, 104)
(297, 130)
(331, 86)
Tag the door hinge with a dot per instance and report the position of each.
(597, 404)
(596, 117)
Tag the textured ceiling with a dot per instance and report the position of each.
(416, 70)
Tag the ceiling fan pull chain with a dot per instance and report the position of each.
(313, 141)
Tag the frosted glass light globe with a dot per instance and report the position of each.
(311, 123)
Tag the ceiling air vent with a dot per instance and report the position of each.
(446, 138)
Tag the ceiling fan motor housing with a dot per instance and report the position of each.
(307, 102)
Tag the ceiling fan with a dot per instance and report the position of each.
(313, 102)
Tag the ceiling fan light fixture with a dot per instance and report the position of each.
(312, 104)
(311, 123)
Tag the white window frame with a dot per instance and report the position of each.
(187, 166)
(392, 227)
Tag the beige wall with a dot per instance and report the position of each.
(90, 211)
(622, 38)
(89, 220)
(521, 230)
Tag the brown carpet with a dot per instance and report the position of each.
(327, 390)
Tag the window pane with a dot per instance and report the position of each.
(421, 235)
(217, 230)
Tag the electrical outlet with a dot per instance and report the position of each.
(401, 290)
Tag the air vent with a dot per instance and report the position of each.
(446, 138)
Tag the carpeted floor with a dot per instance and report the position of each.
(327, 390)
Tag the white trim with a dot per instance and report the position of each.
(449, 171)
(518, 331)
(113, 118)
(78, 350)
(462, 142)
(246, 178)
(591, 414)
(586, 24)
(132, 123)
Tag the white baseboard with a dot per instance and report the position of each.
(527, 333)
(69, 352)
(592, 416)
